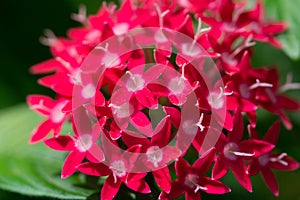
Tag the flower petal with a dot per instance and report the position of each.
(257, 147)
(139, 186)
(213, 186)
(163, 179)
(41, 104)
(192, 196)
(175, 115)
(273, 133)
(71, 162)
(61, 143)
(204, 162)
(162, 132)
(141, 122)
(220, 168)
(94, 169)
(110, 188)
(176, 191)
(253, 167)
(181, 167)
(239, 171)
(238, 129)
(95, 154)
(291, 164)
(270, 180)
(41, 131)
(146, 98)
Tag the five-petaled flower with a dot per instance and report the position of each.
(191, 179)
(108, 96)
(265, 162)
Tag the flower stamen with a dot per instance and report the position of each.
(118, 168)
(199, 123)
(81, 17)
(49, 39)
(260, 84)
(279, 159)
(161, 15)
(289, 85)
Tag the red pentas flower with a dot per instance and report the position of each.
(157, 152)
(82, 145)
(52, 110)
(232, 151)
(112, 73)
(191, 179)
(117, 167)
(267, 161)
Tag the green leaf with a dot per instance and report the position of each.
(32, 169)
(287, 11)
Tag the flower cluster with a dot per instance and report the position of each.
(110, 100)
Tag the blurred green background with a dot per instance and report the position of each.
(23, 22)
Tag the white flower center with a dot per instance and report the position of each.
(192, 181)
(189, 49)
(264, 159)
(75, 77)
(110, 59)
(135, 82)
(84, 142)
(154, 155)
(57, 115)
(120, 29)
(94, 35)
(118, 168)
(216, 100)
(244, 91)
(121, 111)
(88, 91)
(189, 127)
(177, 84)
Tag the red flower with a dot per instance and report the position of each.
(52, 110)
(191, 179)
(156, 153)
(233, 151)
(117, 167)
(83, 145)
(267, 161)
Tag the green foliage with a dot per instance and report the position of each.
(287, 11)
(32, 169)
